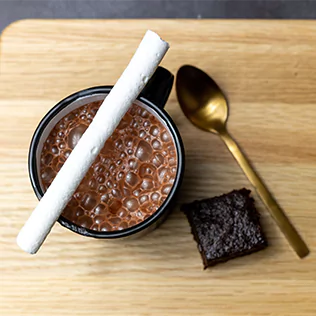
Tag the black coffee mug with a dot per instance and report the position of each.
(154, 96)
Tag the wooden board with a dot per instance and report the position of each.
(267, 69)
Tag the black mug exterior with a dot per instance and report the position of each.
(158, 88)
(154, 96)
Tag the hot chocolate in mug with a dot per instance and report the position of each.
(131, 187)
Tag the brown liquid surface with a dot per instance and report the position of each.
(130, 178)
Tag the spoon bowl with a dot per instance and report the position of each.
(201, 99)
(205, 105)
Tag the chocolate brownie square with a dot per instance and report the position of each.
(225, 226)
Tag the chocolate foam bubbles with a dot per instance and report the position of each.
(130, 178)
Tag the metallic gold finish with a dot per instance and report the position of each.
(204, 104)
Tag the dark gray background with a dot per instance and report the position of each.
(11, 10)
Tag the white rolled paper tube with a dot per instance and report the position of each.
(141, 67)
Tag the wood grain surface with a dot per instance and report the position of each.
(267, 69)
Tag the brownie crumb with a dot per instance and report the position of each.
(225, 227)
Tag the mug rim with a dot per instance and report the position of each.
(34, 177)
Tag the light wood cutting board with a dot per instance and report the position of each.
(267, 69)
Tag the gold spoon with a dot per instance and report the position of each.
(205, 105)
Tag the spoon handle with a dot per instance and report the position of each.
(275, 210)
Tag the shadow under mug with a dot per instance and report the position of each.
(153, 97)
